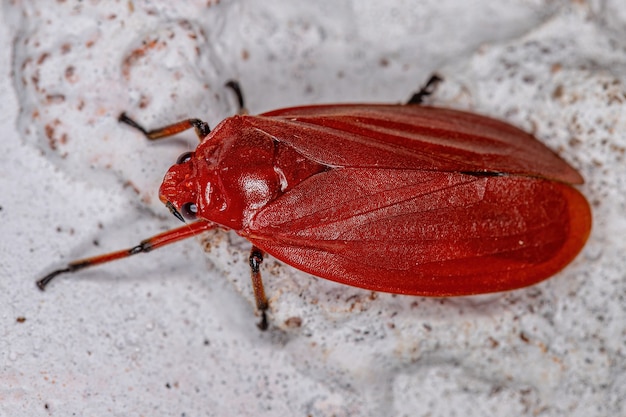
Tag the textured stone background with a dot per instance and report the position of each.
(173, 332)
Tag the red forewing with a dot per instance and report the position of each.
(412, 137)
(405, 206)
(425, 233)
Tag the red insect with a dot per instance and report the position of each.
(404, 199)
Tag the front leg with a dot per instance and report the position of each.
(426, 90)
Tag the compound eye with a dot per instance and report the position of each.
(184, 158)
(189, 211)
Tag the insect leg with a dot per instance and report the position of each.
(234, 85)
(146, 245)
(426, 90)
(202, 128)
(256, 258)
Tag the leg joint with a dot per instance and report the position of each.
(255, 260)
